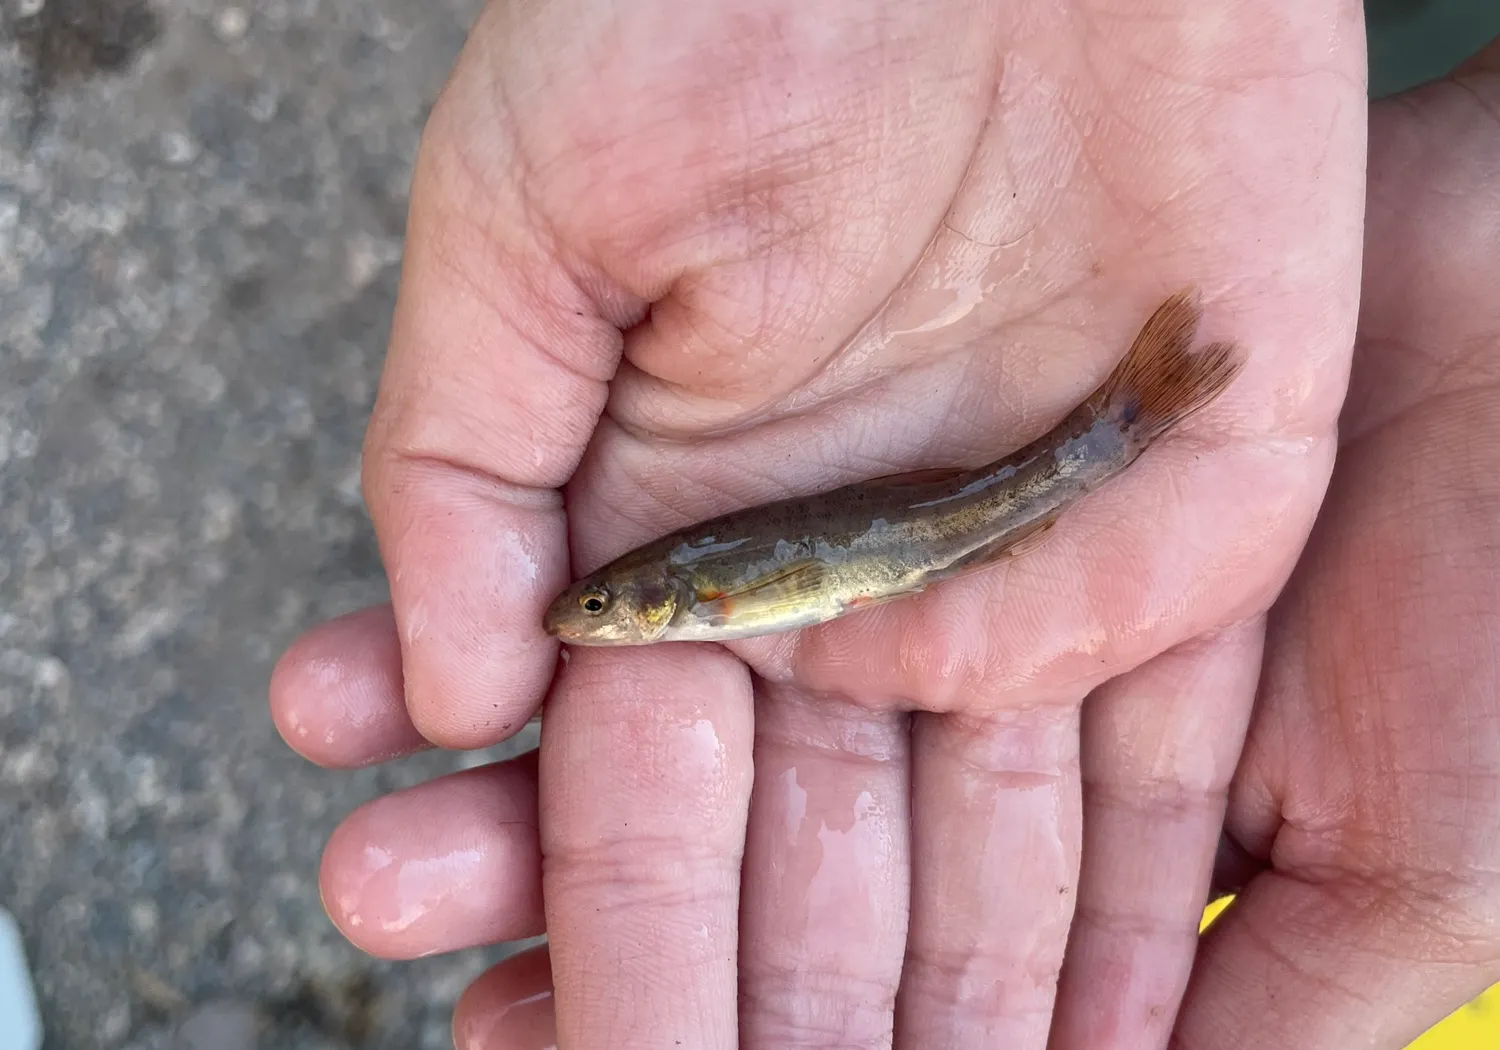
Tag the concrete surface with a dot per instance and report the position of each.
(200, 213)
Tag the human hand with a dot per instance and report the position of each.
(871, 238)
(1364, 813)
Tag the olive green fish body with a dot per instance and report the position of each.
(802, 562)
(807, 560)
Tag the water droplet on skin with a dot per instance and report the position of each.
(517, 555)
(423, 885)
(416, 622)
(796, 804)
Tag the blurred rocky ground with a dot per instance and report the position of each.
(201, 211)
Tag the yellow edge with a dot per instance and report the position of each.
(1475, 1026)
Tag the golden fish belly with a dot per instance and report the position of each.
(820, 580)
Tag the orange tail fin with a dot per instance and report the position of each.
(1159, 383)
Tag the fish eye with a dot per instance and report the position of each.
(594, 601)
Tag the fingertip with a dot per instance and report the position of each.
(451, 864)
(509, 1007)
(474, 563)
(336, 694)
(346, 861)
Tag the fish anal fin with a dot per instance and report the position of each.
(1030, 539)
(869, 601)
(1011, 545)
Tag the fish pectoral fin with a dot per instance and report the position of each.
(789, 585)
(1012, 545)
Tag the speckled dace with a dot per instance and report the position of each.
(808, 560)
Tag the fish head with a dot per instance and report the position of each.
(616, 607)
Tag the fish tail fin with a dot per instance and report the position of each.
(1160, 382)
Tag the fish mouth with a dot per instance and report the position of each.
(555, 619)
(579, 635)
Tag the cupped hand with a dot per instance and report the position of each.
(671, 259)
(1361, 831)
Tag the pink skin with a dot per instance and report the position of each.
(1007, 196)
(347, 678)
(510, 1005)
(399, 877)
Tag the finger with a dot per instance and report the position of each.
(509, 1007)
(1159, 748)
(336, 693)
(497, 369)
(646, 773)
(450, 864)
(1325, 967)
(995, 829)
(826, 875)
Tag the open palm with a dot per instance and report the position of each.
(674, 259)
(1362, 824)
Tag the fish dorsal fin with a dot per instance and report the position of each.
(792, 584)
(925, 476)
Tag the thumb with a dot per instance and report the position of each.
(496, 374)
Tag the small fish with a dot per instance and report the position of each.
(807, 560)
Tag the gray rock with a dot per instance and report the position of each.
(201, 212)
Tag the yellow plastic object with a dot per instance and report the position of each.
(1474, 1026)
